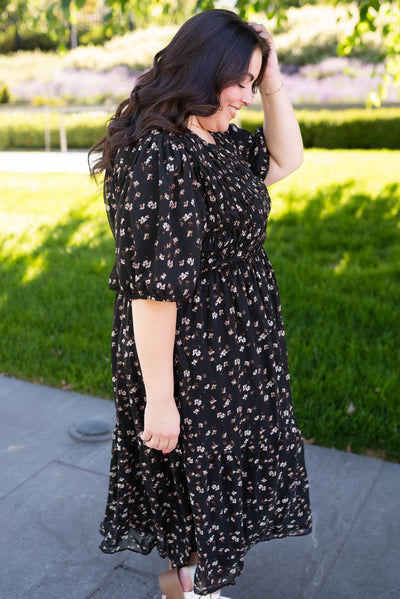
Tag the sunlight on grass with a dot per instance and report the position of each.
(333, 239)
(33, 270)
(56, 257)
(361, 170)
(342, 264)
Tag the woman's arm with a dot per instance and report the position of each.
(154, 326)
(281, 129)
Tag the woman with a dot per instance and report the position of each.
(207, 457)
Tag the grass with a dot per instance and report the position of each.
(56, 252)
(333, 239)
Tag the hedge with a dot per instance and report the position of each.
(26, 130)
(344, 129)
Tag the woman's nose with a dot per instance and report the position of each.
(247, 96)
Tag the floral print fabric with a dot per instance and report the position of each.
(189, 220)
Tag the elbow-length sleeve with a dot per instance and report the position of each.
(252, 148)
(159, 222)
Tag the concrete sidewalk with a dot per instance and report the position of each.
(74, 161)
(53, 493)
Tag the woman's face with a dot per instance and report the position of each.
(235, 96)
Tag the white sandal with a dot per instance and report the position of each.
(172, 589)
(193, 595)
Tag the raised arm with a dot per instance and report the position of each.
(281, 129)
(154, 326)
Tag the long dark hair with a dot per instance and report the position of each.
(210, 52)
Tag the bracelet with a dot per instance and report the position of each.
(273, 92)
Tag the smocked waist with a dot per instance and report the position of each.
(227, 262)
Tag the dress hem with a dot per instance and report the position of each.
(216, 587)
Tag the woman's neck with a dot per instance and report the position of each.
(195, 126)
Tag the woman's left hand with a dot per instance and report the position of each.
(281, 129)
(272, 66)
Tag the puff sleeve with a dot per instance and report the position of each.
(159, 222)
(252, 148)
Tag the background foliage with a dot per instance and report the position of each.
(105, 74)
(49, 24)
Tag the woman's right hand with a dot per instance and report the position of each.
(154, 324)
(161, 425)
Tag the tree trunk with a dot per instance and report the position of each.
(18, 41)
(74, 36)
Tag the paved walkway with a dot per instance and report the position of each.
(74, 161)
(53, 491)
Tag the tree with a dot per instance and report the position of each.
(369, 11)
(62, 18)
(55, 18)
(12, 13)
(118, 16)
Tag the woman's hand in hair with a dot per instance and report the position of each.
(272, 66)
(281, 129)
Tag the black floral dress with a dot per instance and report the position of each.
(189, 220)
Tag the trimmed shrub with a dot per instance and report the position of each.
(83, 133)
(27, 130)
(28, 40)
(344, 129)
(4, 139)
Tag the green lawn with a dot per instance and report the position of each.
(56, 252)
(333, 238)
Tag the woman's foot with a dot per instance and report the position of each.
(185, 578)
(180, 580)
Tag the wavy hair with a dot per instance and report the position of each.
(210, 52)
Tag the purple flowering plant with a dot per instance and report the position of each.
(334, 81)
